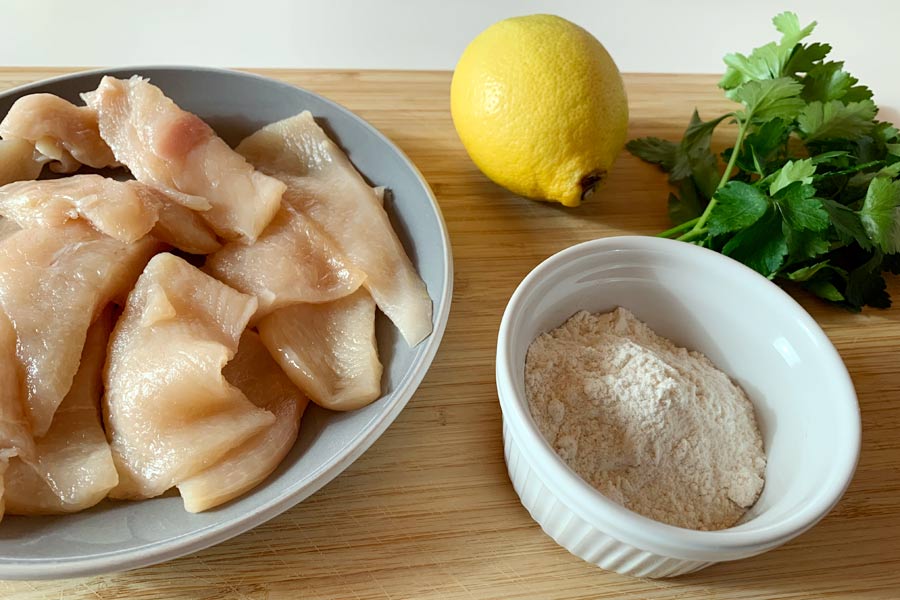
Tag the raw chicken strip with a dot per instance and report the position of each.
(176, 151)
(7, 228)
(292, 261)
(168, 409)
(185, 229)
(73, 468)
(323, 185)
(255, 373)
(124, 210)
(59, 130)
(15, 432)
(53, 282)
(17, 161)
(328, 350)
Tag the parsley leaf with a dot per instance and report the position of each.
(819, 279)
(768, 61)
(654, 150)
(769, 99)
(761, 246)
(886, 133)
(686, 205)
(866, 286)
(764, 146)
(830, 157)
(880, 214)
(805, 221)
(764, 63)
(835, 119)
(847, 224)
(804, 243)
(804, 58)
(691, 158)
(788, 24)
(791, 172)
(695, 159)
(808, 272)
(857, 93)
(738, 206)
(824, 289)
(828, 81)
(800, 209)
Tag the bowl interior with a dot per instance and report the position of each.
(756, 333)
(118, 535)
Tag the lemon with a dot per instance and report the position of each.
(540, 107)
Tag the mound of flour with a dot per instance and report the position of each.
(654, 427)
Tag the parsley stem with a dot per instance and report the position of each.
(701, 222)
(693, 234)
(678, 228)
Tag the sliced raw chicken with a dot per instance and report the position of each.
(124, 210)
(15, 431)
(324, 186)
(59, 130)
(176, 151)
(255, 373)
(7, 228)
(292, 261)
(185, 229)
(18, 161)
(73, 467)
(168, 409)
(328, 350)
(53, 283)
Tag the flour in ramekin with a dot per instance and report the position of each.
(656, 428)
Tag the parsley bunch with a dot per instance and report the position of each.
(810, 192)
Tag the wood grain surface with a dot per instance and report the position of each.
(428, 512)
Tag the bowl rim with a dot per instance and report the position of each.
(210, 535)
(613, 518)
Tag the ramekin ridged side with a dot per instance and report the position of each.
(576, 535)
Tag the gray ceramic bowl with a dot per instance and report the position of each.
(123, 535)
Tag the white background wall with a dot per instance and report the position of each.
(642, 35)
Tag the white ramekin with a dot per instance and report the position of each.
(751, 329)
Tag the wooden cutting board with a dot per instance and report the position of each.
(428, 512)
